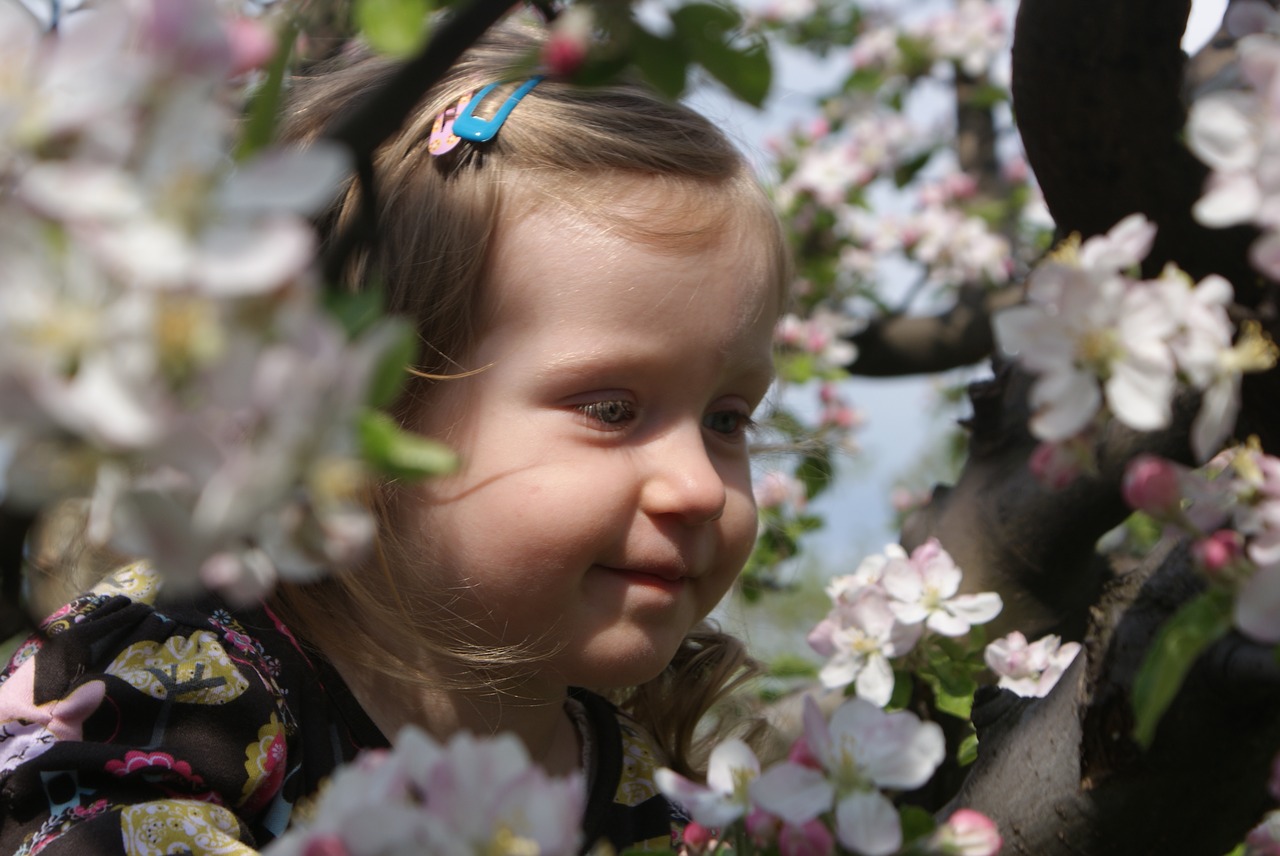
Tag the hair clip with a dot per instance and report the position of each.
(442, 138)
(469, 127)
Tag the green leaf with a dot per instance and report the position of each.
(967, 752)
(916, 823)
(393, 27)
(662, 61)
(988, 95)
(815, 472)
(263, 111)
(907, 170)
(902, 686)
(391, 450)
(707, 32)
(792, 666)
(389, 373)
(355, 312)
(1192, 629)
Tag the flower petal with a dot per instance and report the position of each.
(867, 823)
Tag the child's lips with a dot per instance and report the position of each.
(668, 573)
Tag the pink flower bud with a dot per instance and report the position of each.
(812, 838)
(696, 837)
(968, 833)
(1054, 466)
(1151, 484)
(325, 845)
(1273, 786)
(762, 826)
(565, 49)
(1218, 551)
(801, 754)
(253, 44)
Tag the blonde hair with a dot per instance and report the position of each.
(436, 221)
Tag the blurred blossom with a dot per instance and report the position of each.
(877, 49)
(725, 797)
(470, 796)
(1264, 839)
(778, 489)
(1029, 669)
(825, 334)
(924, 589)
(140, 364)
(859, 751)
(971, 35)
(966, 833)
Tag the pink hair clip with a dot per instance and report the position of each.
(442, 138)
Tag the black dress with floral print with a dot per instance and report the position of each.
(131, 725)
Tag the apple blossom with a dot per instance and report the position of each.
(966, 833)
(1264, 839)
(1029, 669)
(924, 587)
(1152, 484)
(465, 797)
(861, 749)
(859, 637)
(725, 797)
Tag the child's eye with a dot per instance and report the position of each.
(731, 423)
(610, 415)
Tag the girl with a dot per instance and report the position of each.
(595, 289)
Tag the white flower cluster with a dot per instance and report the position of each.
(467, 797)
(1237, 133)
(972, 35)
(161, 345)
(1097, 338)
(1231, 507)
(881, 610)
(836, 770)
(1030, 668)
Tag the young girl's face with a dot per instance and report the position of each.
(604, 505)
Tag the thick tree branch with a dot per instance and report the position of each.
(371, 122)
(898, 345)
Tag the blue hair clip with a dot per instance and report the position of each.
(469, 127)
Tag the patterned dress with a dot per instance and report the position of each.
(129, 726)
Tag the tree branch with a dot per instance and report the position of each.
(898, 345)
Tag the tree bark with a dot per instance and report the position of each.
(1097, 88)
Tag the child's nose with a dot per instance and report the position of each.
(683, 480)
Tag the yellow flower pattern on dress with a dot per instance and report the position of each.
(195, 669)
(181, 826)
(139, 582)
(640, 758)
(264, 761)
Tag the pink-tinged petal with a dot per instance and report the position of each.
(1016, 328)
(1220, 132)
(875, 681)
(793, 792)
(900, 751)
(944, 623)
(867, 823)
(909, 613)
(817, 732)
(1216, 418)
(903, 581)
(1265, 254)
(1229, 198)
(244, 259)
(729, 760)
(1123, 246)
(1257, 608)
(821, 637)
(968, 833)
(841, 669)
(976, 608)
(293, 181)
(1065, 403)
(811, 838)
(1139, 395)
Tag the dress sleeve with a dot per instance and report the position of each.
(125, 731)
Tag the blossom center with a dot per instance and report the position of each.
(1097, 350)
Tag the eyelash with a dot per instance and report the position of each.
(613, 414)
